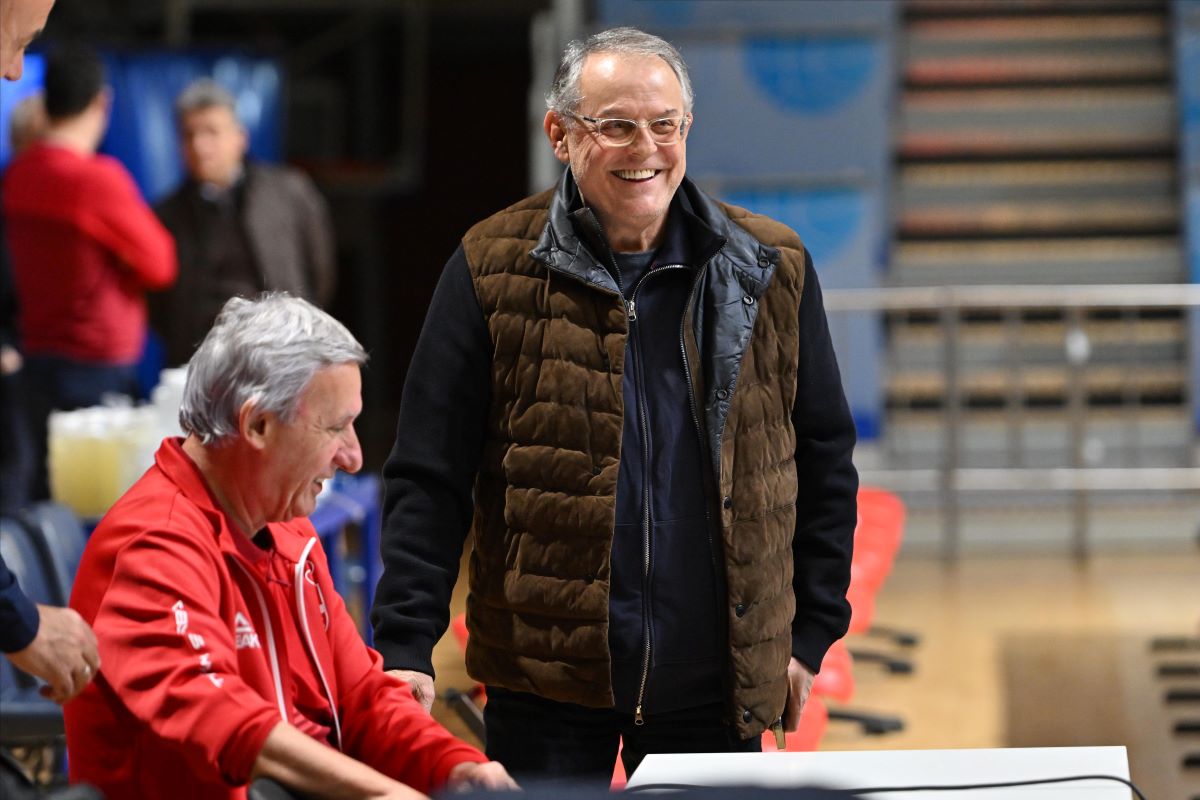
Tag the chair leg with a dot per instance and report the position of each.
(900, 637)
(1174, 643)
(896, 666)
(462, 704)
(874, 724)
(1179, 670)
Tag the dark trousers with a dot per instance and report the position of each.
(538, 739)
(16, 447)
(64, 384)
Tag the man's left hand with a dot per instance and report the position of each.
(800, 681)
(470, 775)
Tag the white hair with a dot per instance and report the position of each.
(264, 351)
(565, 96)
(201, 94)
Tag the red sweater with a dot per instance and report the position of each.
(85, 248)
(206, 645)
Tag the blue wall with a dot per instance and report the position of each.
(141, 132)
(793, 114)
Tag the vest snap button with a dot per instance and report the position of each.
(747, 716)
(764, 262)
(727, 502)
(748, 300)
(722, 394)
(740, 610)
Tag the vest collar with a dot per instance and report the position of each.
(698, 228)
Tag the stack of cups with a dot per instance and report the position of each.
(97, 453)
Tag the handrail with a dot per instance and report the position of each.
(950, 478)
(903, 298)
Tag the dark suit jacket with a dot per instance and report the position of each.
(290, 237)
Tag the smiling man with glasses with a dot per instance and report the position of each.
(626, 391)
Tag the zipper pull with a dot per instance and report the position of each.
(631, 312)
(637, 716)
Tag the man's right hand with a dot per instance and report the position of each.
(63, 653)
(422, 685)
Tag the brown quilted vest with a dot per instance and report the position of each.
(545, 492)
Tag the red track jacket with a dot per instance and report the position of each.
(85, 249)
(197, 664)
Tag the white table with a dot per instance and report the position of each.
(885, 768)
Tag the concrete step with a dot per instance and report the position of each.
(1137, 437)
(951, 123)
(1143, 383)
(1093, 260)
(1037, 50)
(921, 345)
(1090, 197)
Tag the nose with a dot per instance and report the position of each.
(642, 142)
(349, 455)
(14, 68)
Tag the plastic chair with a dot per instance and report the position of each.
(28, 718)
(59, 535)
(877, 538)
(836, 682)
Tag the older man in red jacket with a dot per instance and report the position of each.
(227, 652)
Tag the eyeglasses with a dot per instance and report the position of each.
(621, 132)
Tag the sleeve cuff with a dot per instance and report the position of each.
(242, 749)
(809, 648)
(463, 754)
(405, 656)
(21, 619)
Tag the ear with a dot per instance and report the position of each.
(244, 136)
(103, 101)
(556, 132)
(255, 425)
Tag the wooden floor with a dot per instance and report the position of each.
(1037, 651)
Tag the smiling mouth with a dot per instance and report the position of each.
(636, 175)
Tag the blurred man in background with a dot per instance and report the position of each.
(240, 227)
(85, 248)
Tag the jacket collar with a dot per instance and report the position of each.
(180, 470)
(698, 228)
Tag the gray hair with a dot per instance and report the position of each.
(201, 94)
(564, 96)
(264, 351)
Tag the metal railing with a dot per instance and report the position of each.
(951, 478)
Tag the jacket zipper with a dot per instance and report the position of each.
(308, 640)
(647, 627)
(687, 371)
(274, 659)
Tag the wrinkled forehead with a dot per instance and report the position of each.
(622, 83)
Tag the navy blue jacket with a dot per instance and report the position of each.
(18, 614)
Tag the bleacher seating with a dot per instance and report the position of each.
(60, 538)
